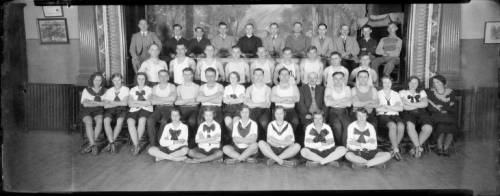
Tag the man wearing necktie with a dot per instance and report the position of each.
(197, 44)
(274, 43)
(168, 52)
(348, 47)
(323, 43)
(140, 43)
(311, 99)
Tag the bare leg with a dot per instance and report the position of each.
(355, 158)
(380, 157)
(229, 122)
(447, 141)
(412, 133)
(178, 156)
(290, 151)
(440, 141)
(196, 155)
(214, 156)
(308, 154)
(229, 151)
(400, 131)
(87, 120)
(118, 127)
(393, 135)
(132, 131)
(335, 155)
(268, 152)
(425, 133)
(98, 126)
(141, 127)
(108, 130)
(251, 150)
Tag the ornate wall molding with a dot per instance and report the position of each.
(417, 40)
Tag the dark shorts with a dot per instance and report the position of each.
(91, 111)
(444, 123)
(116, 112)
(202, 151)
(138, 114)
(365, 154)
(237, 149)
(166, 150)
(232, 110)
(384, 119)
(323, 153)
(417, 117)
(278, 150)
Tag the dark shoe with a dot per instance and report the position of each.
(289, 163)
(95, 150)
(86, 149)
(446, 152)
(135, 150)
(334, 164)
(270, 162)
(312, 164)
(112, 148)
(439, 152)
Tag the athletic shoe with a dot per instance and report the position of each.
(270, 162)
(95, 150)
(334, 164)
(251, 160)
(312, 164)
(230, 161)
(289, 163)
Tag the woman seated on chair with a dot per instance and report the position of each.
(443, 112)
(92, 108)
(388, 113)
(234, 96)
(140, 108)
(173, 141)
(115, 107)
(414, 103)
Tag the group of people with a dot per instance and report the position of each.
(384, 52)
(198, 110)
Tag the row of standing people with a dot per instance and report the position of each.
(386, 51)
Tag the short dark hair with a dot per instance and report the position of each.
(297, 23)
(386, 77)
(235, 46)
(279, 108)
(312, 48)
(366, 26)
(92, 78)
(222, 24)
(140, 74)
(208, 109)
(210, 69)
(249, 24)
(273, 23)
(119, 75)
(361, 110)
(394, 23)
(283, 69)
(322, 24)
(188, 69)
(441, 78)
(286, 48)
(338, 72)
(244, 107)
(163, 70)
(419, 86)
(335, 53)
(318, 113)
(176, 25)
(258, 69)
(180, 44)
(175, 110)
(199, 28)
(235, 73)
(363, 54)
(363, 71)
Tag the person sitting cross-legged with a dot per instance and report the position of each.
(280, 145)
(319, 145)
(244, 136)
(173, 140)
(208, 139)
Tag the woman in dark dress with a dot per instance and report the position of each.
(443, 112)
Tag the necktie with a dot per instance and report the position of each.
(140, 95)
(344, 42)
(243, 131)
(174, 134)
(116, 96)
(361, 138)
(312, 88)
(318, 137)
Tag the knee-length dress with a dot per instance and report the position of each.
(444, 120)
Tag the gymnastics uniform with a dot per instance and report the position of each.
(161, 112)
(116, 95)
(327, 74)
(338, 117)
(259, 114)
(318, 140)
(312, 66)
(386, 117)
(239, 66)
(189, 113)
(204, 65)
(243, 130)
(443, 122)
(89, 94)
(140, 95)
(151, 68)
(416, 116)
(174, 134)
(216, 107)
(178, 67)
(266, 67)
(362, 141)
(236, 92)
(279, 133)
(208, 131)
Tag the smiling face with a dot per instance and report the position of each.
(392, 28)
(177, 31)
(233, 79)
(163, 77)
(97, 81)
(143, 25)
(188, 76)
(210, 76)
(338, 80)
(344, 30)
(322, 30)
(198, 32)
(175, 116)
(117, 82)
(365, 60)
(249, 29)
(312, 54)
(154, 51)
(312, 77)
(141, 80)
(438, 85)
(284, 76)
(363, 78)
(297, 28)
(222, 29)
(335, 60)
(361, 117)
(258, 76)
(413, 84)
(180, 50)
(209, 51)
(209, 115)
(274, 29)
(386, 83)
(318, 119)
(279, 114)
(367, 32)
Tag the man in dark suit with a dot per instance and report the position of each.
(311, 100)
(197, 44)
(140, 44)
(168, 51)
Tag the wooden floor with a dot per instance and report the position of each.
(48, 161)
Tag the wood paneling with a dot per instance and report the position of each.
(88, 43)
(449, 44)
(481, 112)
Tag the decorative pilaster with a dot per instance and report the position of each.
(88, 43)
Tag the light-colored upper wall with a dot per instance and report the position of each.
(475, 14)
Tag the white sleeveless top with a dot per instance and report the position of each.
(238, 67)
(178, 67)
(285, 93)
(312, 66)
(258, 94)
(209, 92)
(266, 67)
(204, 65)
(293, 72)
(162, 92)
(346, 91)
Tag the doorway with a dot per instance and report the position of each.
(132, 14)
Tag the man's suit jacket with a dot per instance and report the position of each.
(351, 47)
(140, 44)
(326, 48)
(306, 98)
(196, 47)
(279, 43)
(171, 45)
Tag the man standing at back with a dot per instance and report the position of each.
(274, 42)
(171, 43)
(140, 43)
(297, 41)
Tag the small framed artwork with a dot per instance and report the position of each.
(492, 32)
(52, 11)
(53, 30)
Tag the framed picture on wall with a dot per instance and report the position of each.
(52, 11)
(492, 32)
(53, 30)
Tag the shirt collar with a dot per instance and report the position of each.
(251, 35)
